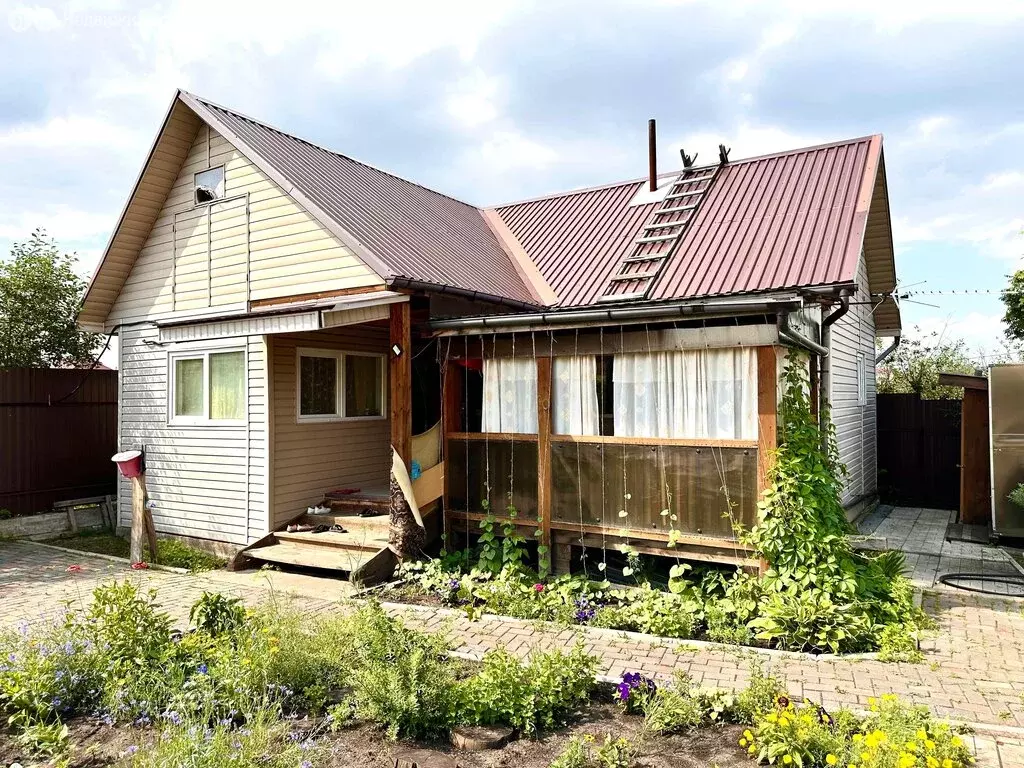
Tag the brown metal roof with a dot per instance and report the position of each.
(790, 220)
(414, 232)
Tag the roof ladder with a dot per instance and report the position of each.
(660, 236)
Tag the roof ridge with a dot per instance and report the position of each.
(328, 150)
(666, 174)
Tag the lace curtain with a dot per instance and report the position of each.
(693, 393)
(510, 395)
(574, 408)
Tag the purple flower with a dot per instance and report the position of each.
(131, 750)
(306, 764)
(454, 584)
(172, 717)
(583, 615)
(203, 669)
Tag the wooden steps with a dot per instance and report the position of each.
(366, 541)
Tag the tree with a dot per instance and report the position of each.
(917, 362)
(1013, 300)
(40, 295)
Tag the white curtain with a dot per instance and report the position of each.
(574, 407)
(510, 395)
(692, 393)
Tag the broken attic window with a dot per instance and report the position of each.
(209, 185)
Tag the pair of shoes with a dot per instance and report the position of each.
(318, 510)
(369, 512)
(337, 529)
(299, 528)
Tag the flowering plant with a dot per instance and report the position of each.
(634, 691)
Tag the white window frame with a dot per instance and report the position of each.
(204, 355)
(862, 379)
(195, 186)
(339, 356)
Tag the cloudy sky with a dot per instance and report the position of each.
(494, 101)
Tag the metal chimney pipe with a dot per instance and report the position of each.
(652, 149)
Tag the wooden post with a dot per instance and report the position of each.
(400, 381)
(140, 528)
(767, 418)
(544, 451)
(975, 491)
(451, 402)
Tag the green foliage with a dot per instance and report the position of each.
(129, 625)
(264, 743)
(1017, 495)
(507, 551)
(616, 753)
(577, 753)
(531, 696)
(759, 696)
(673, 709)
(811, 621)
(400, 678)
(169, 551)
(646, 609)
(1013, 300)
(216, 615)
(898, 642)
(40, 294)
(917, 362)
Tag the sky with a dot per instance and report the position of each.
(496, 101)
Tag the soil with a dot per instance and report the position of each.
(364, 746)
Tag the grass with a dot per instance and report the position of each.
(169, 551)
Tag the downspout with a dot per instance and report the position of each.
(885, 353)
(794, 337)
(825, 374)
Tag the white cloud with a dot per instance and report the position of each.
(72, 132)
(472, 102)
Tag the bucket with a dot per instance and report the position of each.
(129, 462)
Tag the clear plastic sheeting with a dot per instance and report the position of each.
(504, 466)
(695, 490)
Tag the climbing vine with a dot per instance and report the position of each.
(802, 530)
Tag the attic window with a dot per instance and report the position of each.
(210, 185)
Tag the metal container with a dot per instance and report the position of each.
(1006, 412)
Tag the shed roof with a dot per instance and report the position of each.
(795, 219)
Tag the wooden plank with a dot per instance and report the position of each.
(400, 380)
(695, 442)
(975, 486)
(965, 380)
(429, 485)
(138, 518)
(767, 412)
(544, 450)
(518, 437)
(314, 296)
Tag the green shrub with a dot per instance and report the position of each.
(672, 709)
(898, 642)
(531, 696)
(1016, 496)
(759, 695)
(216, 614)
(810, 621)
(400, 678)
(616, 753)
(180, 555)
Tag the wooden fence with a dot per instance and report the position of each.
(56, 442)
(919, 451)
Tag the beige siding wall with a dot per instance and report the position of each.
(309, 459)
(204, 481)
(256, 244)
(853, 335)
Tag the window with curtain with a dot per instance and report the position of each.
(686, 394)
(333, 385)
(510, 395)
(208, 387)
(574, 401)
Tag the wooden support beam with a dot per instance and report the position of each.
(451, 422)
(544, 450)
(400, 380)
(767, 418)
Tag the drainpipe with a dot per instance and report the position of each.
(884, 354)
(826, 339)
(794, 337)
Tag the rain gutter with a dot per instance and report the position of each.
(611, 315)
(884, 354)
(462, 293)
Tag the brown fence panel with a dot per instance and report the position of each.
(919, 451)
(55, 445)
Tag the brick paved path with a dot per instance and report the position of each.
(973, 670)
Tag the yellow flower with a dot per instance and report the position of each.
(932, 762)
(955, 741)
(906, 761)
(831, 759)
(911, 746)
(929, 744)
(751, 749)
(787, 759)
(747, 734)
(922, 735)
(743, 742)
(947, 763)
(858, 736)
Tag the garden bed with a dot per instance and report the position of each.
(97, 745)
(170, 552)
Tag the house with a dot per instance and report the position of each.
(605, 361)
